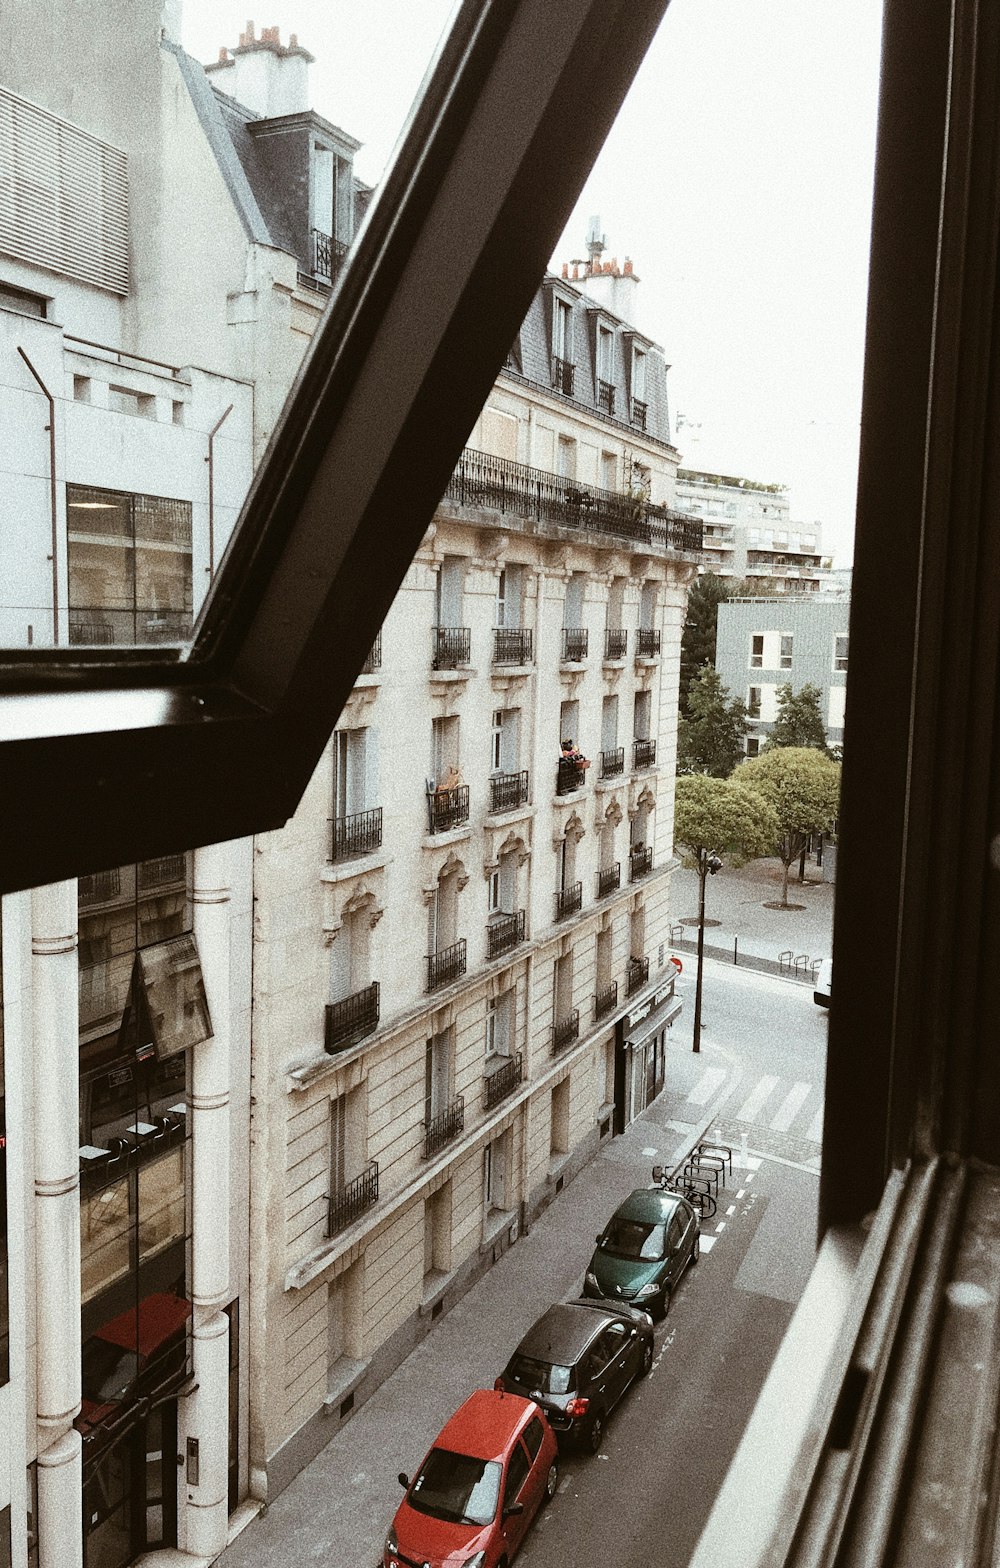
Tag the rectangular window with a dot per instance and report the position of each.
(605, 354)
(753, 745)
(569, 719)
(496, 742)
(437, 1075)
(444, 746)
(757, 651)
(609, 471)
(753, 702)
(567, 458)
(785, 655)
(496, 1172)
(559, 1129)
(643, 715)
(639, 374)
(500, 1024)
(129, 565)
(353, 755)
(338, 1143)
(25, 303)
(123, 400)
(562, 332)
(840, 652)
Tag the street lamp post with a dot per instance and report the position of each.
(708, 865)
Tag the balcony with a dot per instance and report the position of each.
(606, 396)
(570, 776)
(609, 879)
(636, 975)
(647, 643)
(440, 1131)
(327, 256)
(504, 933)
(615, 642)
(351, 1201)
(640, 862)
(565, 1031)
(358, 834)
(511, 645)
(639, 412)
(612, 762)
(606, 1000)
(447, 808)
(165, 871)
(452, 647)
(563, 375)
(106, 628)
(574, 644)
(99, 887)
(508, 790)
(374, 659)
(351, 1019)
(446, 966)
(644, 754)
(502, 1080)
(499, 484)
(569, 900)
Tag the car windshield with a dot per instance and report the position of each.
(457, 1487)
(634, 1239)
(548, 1379)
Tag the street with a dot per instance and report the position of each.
(645, 1497)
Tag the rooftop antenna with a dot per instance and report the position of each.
(596, 241)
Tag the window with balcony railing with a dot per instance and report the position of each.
(609, 879)
(606, 1000)
(448, 808)
(357, 834)
(644, 754)
(445, 1127)
(452, 647)
(511, 645)
(327, 256)
(563, 375)
(374, 659)
(99, 887)
(501, 1080)
(612, 762)
(636, 975)
(615, 642)
(606, 396)
(566, 1030)
(570, 776)
(351, 1019)
(569, 900)
(503, 933)
(640, 862)
(639, 411)
(349, 1202)
(508, 790)
(647, 643)
(574, 644)
(446, 966)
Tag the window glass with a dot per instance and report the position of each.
(533, 1436)
(456, 1488)
(105, 1235)
(517, 1472)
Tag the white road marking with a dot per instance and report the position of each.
(755, 1099)
(707, 1243)
(741, 1193)
(648, 1153)
(753, 1164)
(710, 1080)
(731, 1209)
(721, 1226)
(815, 1133)
(790, 1106)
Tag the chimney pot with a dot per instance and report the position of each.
(223, 55)
(627, 269)
(576, 272)
(565, 269)
(293, 40)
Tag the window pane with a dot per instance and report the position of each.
(104, 1238)
(161, 1204)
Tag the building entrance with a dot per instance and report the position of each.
(130, 1492)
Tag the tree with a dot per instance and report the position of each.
(710, 739)
(698, 641)
(802, 786)
(800, 719)
(715, 817)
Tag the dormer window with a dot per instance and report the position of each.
(605, 368)
(332, 210)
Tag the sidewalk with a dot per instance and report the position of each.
(735, 901)
(337, 1510)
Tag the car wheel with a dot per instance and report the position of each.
(664, 1302)
(552, 1481)
(595, 1432)
(646, 1364)
(696, 1248)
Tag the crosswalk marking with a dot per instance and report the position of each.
(711, 1080)
(790, 1106)
(815, 1133)
(706, 1243)
(752, 1104)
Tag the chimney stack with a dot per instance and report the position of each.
(263, 74)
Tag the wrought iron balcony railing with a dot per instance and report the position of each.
(441, 1129)
(99, 887)
(616, 642)
(563, 375)
(106, 628)
(503, 933)
(639, 411)
(511, 645)
(606, 1000)
(351, 1201)
(446, 966)
(328, 255)
(448, 808)
(502, 1080)
(452, 647)
(609, 879)
(612, 762)
(574, 644)
(640, 861)
(499, 484)
(374, 659)
(565, 1031)
(163, 871)
(636, 975)
(569, 900)
(644, 754)
(569, 776)
(358, 834)
(647, 643)
(606, 396)
(351, 1019)
(508, 790)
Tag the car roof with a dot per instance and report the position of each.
(650, 1204)
(486, 1424)
(563, 1333)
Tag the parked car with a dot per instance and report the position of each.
(473, 1498)
(577, 1361)
(824, 983)
(644, 1249)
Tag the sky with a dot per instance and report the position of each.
(737, 178)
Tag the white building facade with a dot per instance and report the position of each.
(749, 532)
(764, 644)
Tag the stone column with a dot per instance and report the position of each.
(57, 1221)
(204, 1415)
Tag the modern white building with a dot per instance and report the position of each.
(763, 644)
(749, 532)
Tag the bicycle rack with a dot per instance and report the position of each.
(718, 1151)
(693, 1172)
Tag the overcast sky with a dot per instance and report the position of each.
(738, 179)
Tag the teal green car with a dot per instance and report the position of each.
(644, 1249)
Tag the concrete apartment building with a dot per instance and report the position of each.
(765, 643)
(749, 532)
(271, 1106)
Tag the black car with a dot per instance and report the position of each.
(577, 1361)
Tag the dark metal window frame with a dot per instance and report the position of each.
(123, 755)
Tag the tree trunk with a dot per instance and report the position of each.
(785, 867)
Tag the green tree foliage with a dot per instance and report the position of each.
(722, 817)
(800, 719)
(698, 641)
(710, 739)
(802, 787)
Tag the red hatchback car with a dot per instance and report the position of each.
(476, 1493)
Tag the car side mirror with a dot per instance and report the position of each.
(513, 1508)
(657, 1172)
(403, 1479)
(598, 1239)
